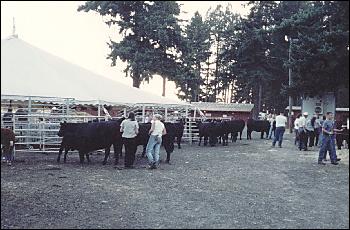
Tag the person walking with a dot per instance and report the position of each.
(328, 141)
(155, 141)
(302, 132)
(318, 130)
(281, 122)
(310, 129)
(296, 129)
(130, 128)
(272, 126)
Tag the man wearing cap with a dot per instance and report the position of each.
(281, 122)
(302, 132)
(328, 140)
(155, 140)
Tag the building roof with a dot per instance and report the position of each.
(229, 107)
(298, 108)
(29, 71)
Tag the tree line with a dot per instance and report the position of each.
(227, 57)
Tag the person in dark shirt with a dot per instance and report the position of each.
(328, 140)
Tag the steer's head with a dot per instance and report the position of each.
(62, 130)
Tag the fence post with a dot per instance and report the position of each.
(166, 114)
(99, 109)
(190, 130)
(143, 113)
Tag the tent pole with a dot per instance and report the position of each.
(67, 104)
(29, 119)
(124, 112)
(99, 109)
(166, 114)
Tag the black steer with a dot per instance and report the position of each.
(235, 127)
(88, 137)
(262, 126)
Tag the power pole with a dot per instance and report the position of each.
(290, 84)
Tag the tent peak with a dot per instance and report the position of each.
(14, 35)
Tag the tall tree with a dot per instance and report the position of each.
(151, 36)
(219, 21)
(253, 53)
(195, 52)
(321, 56)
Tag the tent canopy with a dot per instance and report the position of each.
(29, 71)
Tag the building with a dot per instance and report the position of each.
(225, 111)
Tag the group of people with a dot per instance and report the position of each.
(317, 132)
(130, 128)
(309, 132)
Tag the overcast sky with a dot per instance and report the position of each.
(81, 37)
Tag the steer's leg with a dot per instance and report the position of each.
(178, 142)
(262, 135)
(200, 140)
(59, 154)
(117, 150)
(240, 135)
(143, 151)
(65, 155)
(81, 156)
(107, 151)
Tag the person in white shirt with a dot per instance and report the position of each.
(281, 122)
(155, 140)
(296, 128)
(302, 132)
(271, 119)
(130, 128)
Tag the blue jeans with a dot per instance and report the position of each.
(278, 136)
(296, 141)
(302, 139)
(327, 144)
(152, 149)
(320, 139)
(271, 131)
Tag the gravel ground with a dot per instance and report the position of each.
(244, 185)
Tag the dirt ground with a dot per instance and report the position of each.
(247, 184)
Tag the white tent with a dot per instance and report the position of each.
(29, 71)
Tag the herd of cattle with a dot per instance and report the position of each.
(92, 136)
(88, 137)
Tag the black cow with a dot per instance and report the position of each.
(167, 140)
(88, 137)
(235, 127)
(221, 131)
(340, 137)
(209, 130)
(178, 131)
(8, 139)
(262, 126)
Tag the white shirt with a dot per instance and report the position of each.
(296, 123)
(281, 121)
(129, 128)
(158, 128)
(302, 122)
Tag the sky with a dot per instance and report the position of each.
(81, 38)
